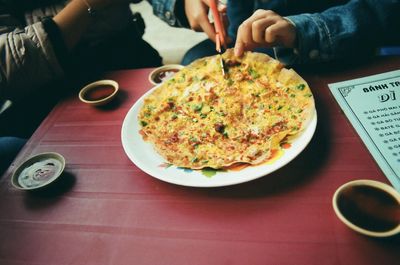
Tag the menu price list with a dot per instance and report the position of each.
(372, 104)
(386, 123)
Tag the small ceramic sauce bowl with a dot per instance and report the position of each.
(38, 171)
(99, 93)
(160, 74)
(368, 207)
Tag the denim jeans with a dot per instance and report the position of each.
(9, 148)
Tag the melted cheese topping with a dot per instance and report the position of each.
(202, 118)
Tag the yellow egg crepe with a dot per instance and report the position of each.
(202, 118)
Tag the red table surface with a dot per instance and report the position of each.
(107, 211)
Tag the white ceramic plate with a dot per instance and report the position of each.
(144, 156)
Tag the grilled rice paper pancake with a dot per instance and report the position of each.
(201, 118)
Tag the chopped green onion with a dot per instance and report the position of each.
(301, 87)
(197, 107)
(253, 73)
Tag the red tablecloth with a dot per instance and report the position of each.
(107, 211)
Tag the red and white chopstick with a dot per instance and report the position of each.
(219, 28)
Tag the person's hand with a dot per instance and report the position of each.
(77, 16)
(197, 15)
(264, 28)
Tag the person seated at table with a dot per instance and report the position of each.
(49, 47)
(303, 32)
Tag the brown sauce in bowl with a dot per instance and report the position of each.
(99, 92)
(369, 208)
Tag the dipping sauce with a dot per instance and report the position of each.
(163, 75)
(39, 173)
(99, 92)
(369, 208)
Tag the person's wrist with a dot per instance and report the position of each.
(293, 32)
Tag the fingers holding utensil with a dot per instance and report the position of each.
(220, 33)
(265, 28)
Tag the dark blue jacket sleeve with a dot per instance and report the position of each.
(170, 11)
(352, 30)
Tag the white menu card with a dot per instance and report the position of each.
(372, 104)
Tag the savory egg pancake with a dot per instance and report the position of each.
(206, 117)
